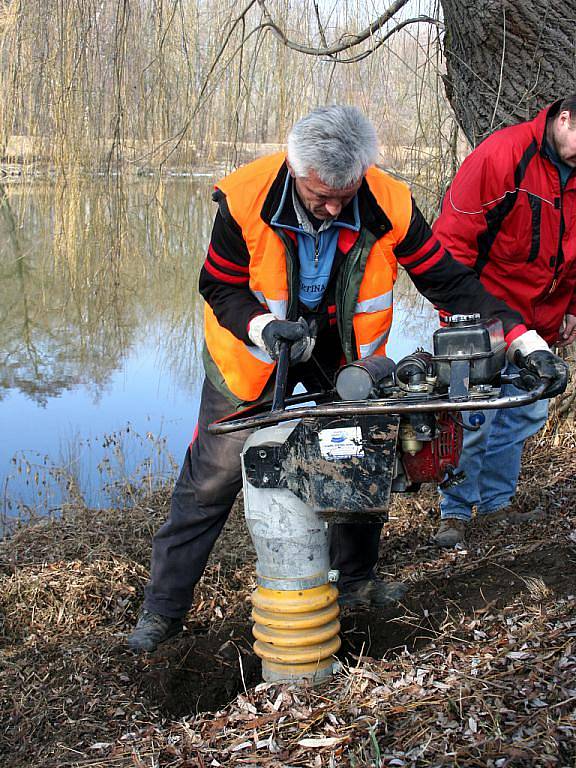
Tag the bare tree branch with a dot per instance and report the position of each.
(320, 27)
(178, 137)
(205, 91)
(502, 60)
(333, 49)
(382, 40)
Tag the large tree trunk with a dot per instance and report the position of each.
(506, 59)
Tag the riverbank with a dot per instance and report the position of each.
(477, 667)
(30, 159)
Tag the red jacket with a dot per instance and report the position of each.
(506, 216)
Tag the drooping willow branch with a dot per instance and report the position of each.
(178, 137)
(268, 24)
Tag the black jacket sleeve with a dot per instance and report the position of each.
(224, 277)
(448, 284)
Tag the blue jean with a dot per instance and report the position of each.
(491, 457)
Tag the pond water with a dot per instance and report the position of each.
(101, 335)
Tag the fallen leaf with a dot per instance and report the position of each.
(331, 741)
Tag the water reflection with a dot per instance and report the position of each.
(100, 333)
(80, 284)
(98, 303)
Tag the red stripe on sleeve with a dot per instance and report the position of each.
(426, 265)
(225, 262)
(223, 276)
(419, 254)
(517, 331)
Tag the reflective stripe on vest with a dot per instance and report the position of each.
(384, 301)
(371, 349)
(277, 307)
(244, 371)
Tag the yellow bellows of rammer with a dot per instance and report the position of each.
(296, 631)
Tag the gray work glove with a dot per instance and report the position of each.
(268, 333)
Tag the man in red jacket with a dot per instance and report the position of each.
(510, 215)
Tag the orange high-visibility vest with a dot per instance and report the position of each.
(244, 367)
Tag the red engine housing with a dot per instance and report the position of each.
(437, 456)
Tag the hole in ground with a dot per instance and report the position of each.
(202, 673)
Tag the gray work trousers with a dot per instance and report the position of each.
(210, 480)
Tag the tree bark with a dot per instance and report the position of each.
(506, 59)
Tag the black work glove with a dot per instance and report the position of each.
(539, 365)
(268, 333)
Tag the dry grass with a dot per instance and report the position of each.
(477, 668)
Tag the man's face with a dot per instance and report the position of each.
(322, 201)
(564, 135)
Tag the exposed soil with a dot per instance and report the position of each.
(201, 673)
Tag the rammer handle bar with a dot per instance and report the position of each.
(239, 420)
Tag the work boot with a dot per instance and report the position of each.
(373, 593)
(451, 531)
(151, 630)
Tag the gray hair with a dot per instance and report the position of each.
(338, 142)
